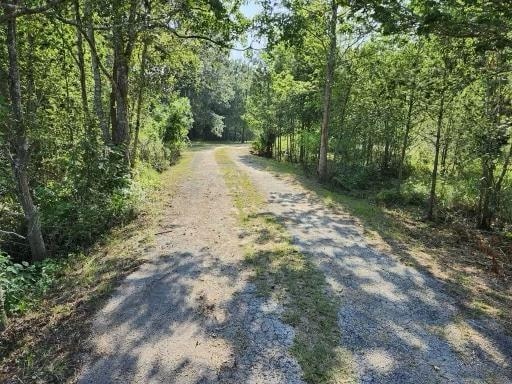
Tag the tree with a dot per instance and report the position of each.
(19, 145)
(329, 74)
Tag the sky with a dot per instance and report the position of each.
(250, 9)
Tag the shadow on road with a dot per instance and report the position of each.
(399, 322)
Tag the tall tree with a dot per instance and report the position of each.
(19, 144)
(329, 75)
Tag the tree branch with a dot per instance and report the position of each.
(13, 234)
(14, 10)
(92, 46)
(194, 36)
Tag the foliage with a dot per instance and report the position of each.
(218, 98)
(23, 283)
(421, 101)
(103, 102)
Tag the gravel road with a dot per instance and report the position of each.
(191, 315)
(399, 324)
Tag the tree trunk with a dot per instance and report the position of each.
(20, 147)
(98, 86)
(81, 66)
(486, 192)
(3, 315)
(387, 144)
(501, 177)
(432, 197)
(405, 142)
(121, 130)
(444, 152)
(123, 44)
(140, 93)
(329, 75)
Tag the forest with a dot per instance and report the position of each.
(402, 103)
(96, 97)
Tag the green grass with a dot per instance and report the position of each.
(371, 214)
(284, 273)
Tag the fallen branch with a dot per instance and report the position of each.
(13, 234)
(161, 233)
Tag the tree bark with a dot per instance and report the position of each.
(123, 41)
(329, 75)
(486, 192)
(432, 197)
(20, 147)
(405, 142)
(96, 74)
(81, 66)
(3, 315)
(140, 94)
(121, 130)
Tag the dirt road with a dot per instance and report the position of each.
(192, 315)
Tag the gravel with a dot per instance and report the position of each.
(398, 324)
(190, 314)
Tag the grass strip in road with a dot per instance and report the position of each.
(284, 273)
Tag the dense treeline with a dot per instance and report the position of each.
(411, 102)
(218, 98)
(93, 98)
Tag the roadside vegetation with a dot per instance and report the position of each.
(51, 303)
(91, 111)
(405, 103)
(402, 111)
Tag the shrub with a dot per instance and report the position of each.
(22, 282)
(410, 193)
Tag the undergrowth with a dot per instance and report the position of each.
(51, 303)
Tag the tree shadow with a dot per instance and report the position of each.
(150, 329)
(399, 322)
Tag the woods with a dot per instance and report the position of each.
(93, 99)
(420, 108)
(401, 108)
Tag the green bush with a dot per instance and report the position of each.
(357, 177)
(22, 283)
(410, 193)
(391, 196)
(258, 146)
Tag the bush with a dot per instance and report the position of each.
(357, 177)
(22, 283)
(409, 193)
(391, 196)
(258, 146)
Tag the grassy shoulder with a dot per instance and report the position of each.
(477, 266)
(43, 340)
(282, 272)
